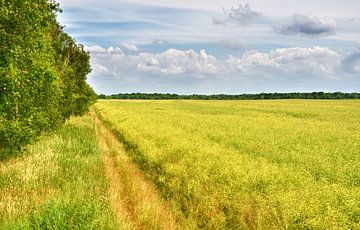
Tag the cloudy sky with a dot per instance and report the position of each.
(212, 46)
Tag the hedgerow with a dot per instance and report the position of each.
(42, 72)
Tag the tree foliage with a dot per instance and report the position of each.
(42, 72)
(260, 96)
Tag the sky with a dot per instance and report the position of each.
(212, 46)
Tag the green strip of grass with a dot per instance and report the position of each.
(58, 182)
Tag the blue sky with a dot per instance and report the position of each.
(211, 46)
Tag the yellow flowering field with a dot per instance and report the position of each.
(273, 164)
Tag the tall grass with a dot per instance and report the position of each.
(134, 200)
(248, 164)
(58, 183)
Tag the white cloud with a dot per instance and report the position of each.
(130, 47)
(242, 15)
(114, 50)
(170, 62)
(317, 60)
(100, 50)
(100, 69)
(95, 49)
(303, 25)
(175, 61)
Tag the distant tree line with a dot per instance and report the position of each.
(260, 96)
(42, 72)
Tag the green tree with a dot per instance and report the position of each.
(41, 67)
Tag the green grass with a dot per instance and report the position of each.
(291, 164)
(58, 183)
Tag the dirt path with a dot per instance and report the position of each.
(136, 203)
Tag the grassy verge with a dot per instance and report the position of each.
(58, 182)
(134, 200)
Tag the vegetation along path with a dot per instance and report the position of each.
(78, 177)
(135, 201)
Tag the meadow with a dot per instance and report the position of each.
(57, 183)
(286, 164)
(78, 177)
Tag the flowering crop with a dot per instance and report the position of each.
(247, 164)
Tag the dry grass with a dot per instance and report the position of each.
(24, 180)
(57, 183)
(134, 200)
(80, 177)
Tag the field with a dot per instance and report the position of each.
(247, 164)
(185, 164)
